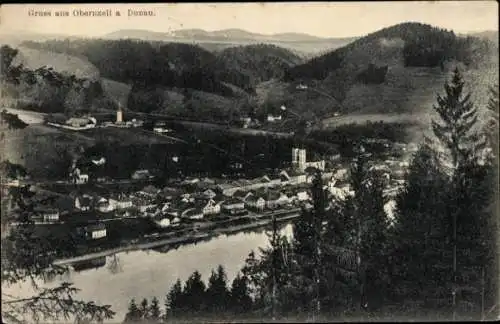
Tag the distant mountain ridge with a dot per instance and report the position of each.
(395, 70)
(230, 34)
(302, 44)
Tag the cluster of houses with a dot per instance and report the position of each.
(195, 199)
(76, 123)
(88, 121)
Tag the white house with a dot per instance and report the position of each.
(161, 130)
(272, 118)
(294, 177)
(120, 202)
(84, 202)
(302, 195)
(255, 202)
(82, 178)
(276, 200)
(84, 122)
(341, 174)
(100, 161)
(150, 191)
(193, 213)
(210, 207)
(48, 215)
(78, 177)
(233, 204)
(209, 193)
(162, 221)
(104, 206)
(190, 180)
(96, 231)
(141, 175)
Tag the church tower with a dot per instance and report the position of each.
(299, 158)
(119, 114)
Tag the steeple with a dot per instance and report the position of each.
(119, 114)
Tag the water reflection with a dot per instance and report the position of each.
(151, 273)
(114, 264)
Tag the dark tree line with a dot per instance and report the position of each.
(145, 65)
(12, 120)
(195, 299)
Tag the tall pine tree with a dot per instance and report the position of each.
(144, 309)
(217, 294)
(421, 253)
(133, 314)
(174, 304)
(240, 302)
(194, 293)
(154, 311)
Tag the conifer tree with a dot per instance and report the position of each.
(175, 301)
(241, 302)
(492, 125)
(420, 258)
(458, 132)
(458, 116)
(217, 293)
(194, 293)
(154, 310)
(144, 309)
(369, 232)
(133, 314)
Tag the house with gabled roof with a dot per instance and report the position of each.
(208, 206)
(47, 214)
(209, 193)
(192, 213)
(232, 205)
(95, 231)
(165, 220)
(276, 199)
(84, 202)
(255, 202)
(241, 194)
(104, 206)
(294, 176)
(150, 191)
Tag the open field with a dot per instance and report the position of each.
(27, 116)
(42, 150)
(63, 63)
(125, 136)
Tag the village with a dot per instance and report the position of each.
(94, 206)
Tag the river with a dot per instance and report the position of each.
(146, 274)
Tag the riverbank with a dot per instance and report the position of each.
(281, 216)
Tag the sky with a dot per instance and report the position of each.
(323, 19)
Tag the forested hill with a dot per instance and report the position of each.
(256, 63)
(145, 64)
(30, 83)
(408, 44)
(177, 64)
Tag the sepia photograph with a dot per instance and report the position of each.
(271, 162)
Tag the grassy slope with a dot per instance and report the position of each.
(63, 63)
(40, 149)
(407, 92)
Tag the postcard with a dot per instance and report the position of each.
(249, 162)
